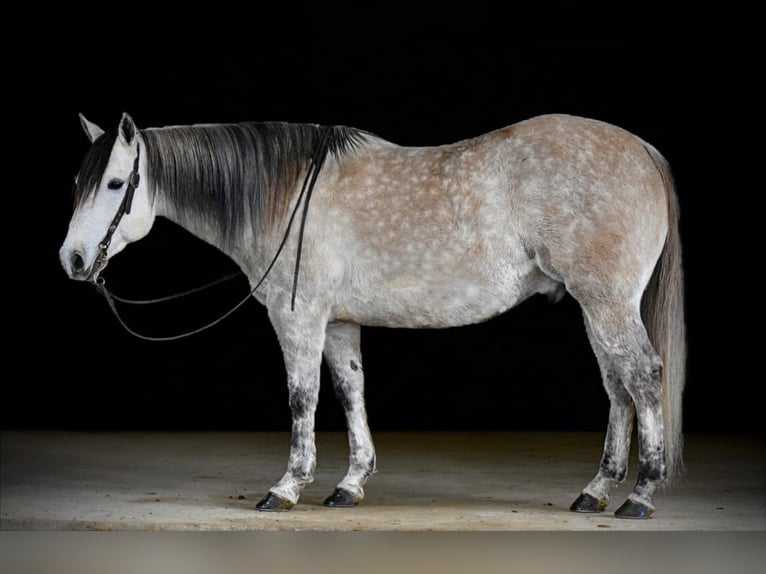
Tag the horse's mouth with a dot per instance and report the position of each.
(97, 267)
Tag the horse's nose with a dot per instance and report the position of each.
(77, 263)
(74, 260)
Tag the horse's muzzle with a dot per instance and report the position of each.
(75, 265)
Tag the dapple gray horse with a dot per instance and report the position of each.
(418, 237)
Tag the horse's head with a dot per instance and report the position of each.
(113, 206)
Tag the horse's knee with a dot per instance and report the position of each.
(303, 399)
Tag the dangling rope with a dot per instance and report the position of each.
(166, 298)
(316, 162)
(307, 189)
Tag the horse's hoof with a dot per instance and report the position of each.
(588, 503)
(340, 498)
(633, 510)
(273, 503)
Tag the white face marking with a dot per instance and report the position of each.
(91, 220)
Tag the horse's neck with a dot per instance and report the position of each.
(176, 193)
(202, 228)
(262, 181)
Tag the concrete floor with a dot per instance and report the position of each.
(425, 482)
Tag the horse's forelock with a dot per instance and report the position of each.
(93, 166)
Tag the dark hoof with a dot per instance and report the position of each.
(340, 498)
(633, 510)
(588, 503)
(273, 503)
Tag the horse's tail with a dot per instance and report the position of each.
(662, 310)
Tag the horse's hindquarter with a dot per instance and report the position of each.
(427, 236)
(592, 204)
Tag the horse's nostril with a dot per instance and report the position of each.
(77, 262)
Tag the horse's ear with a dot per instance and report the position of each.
(127, 130)
(91, 130)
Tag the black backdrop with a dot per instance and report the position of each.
(69, 365)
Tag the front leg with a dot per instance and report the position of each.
(343, 355)
(301, 335)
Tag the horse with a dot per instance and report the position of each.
(418, 237)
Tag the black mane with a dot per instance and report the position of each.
(228, 175)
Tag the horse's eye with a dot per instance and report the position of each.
(115, 184)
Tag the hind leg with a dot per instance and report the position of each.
(645, 387)
(343, 355)
(630, 362)
(614, 461)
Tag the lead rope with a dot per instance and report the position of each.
(317, 161)
(166, 298)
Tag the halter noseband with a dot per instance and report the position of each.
(125, 204)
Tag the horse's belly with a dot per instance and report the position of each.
(410, 302)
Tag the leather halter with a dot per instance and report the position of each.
(124, 208)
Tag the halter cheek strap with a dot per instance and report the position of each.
(127, 201)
